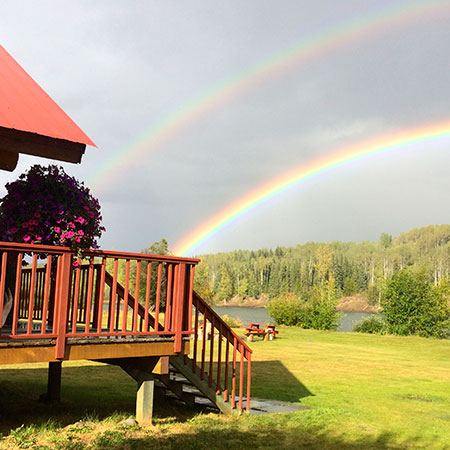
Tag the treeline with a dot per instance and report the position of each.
(350, 268)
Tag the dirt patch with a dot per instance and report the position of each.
(356, 303)
(247, 302)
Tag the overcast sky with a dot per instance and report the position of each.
(119, 68)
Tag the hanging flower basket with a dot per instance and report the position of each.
(47, 206)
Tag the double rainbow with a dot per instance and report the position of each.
(337, 36)
(324, 164)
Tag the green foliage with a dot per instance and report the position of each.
(356, 268)
(318, 313)
(371, 324)
(413, 306)
(202, 283)
(231, 321)
(225, 291)
(349, 287)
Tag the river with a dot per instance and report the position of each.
(259, 315)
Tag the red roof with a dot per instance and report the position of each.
(25, 106)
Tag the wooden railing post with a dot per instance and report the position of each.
(180, 299)
(62, 301)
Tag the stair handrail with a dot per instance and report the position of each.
(238, 346)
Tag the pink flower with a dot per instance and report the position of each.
(75, 264)
(25, 225)
(71, 225)
(37, 214)
(57, 230)
(70, 234)
(37, 237)
(26, 237)
(77, 239)
(13, 230)
(81, 232)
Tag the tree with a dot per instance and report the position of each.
(226, 287)
(385, 240)
(413, 306)
(202, 283)
(243, 288)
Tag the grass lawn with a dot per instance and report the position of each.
(365, 392)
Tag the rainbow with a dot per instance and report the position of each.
(313, 46)
(324, 164)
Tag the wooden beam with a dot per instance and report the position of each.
(15, 141)
(8, 160)
(77, 352)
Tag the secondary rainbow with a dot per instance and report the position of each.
(310, 47)
(324, 164)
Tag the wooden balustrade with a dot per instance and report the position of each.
(219, 355)
(53, 298)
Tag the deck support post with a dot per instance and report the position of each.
(144, 398)
(53, 394)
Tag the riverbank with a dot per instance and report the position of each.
(247, 302)
(354, 303)
(244, 315)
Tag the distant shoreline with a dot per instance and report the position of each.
(355, 303)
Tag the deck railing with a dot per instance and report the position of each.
(53, 294)
(220, 356)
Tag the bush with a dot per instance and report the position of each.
(231, 321)
(317, 313)
(371, 324)
(413, 306)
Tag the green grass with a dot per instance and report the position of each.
(365, 391)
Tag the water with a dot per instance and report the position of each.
(259, 315)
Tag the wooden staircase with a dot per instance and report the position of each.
(218, 368)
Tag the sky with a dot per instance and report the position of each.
(122, 69)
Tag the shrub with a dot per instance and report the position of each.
(316, 313)
(47, 206)
(232, 322)
(371, 324)
(413, 306)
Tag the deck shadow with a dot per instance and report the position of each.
(102, 390)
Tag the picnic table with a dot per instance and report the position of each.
(267, 332)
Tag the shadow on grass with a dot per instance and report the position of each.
(87, 392)
(99, 391)
(272, 380)
(263, 437)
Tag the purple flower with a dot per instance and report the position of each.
(46, 205)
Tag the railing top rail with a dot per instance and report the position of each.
(38, 248)
(35, 248)
(217, 318)
(139, 256)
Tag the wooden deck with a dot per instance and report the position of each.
(56, 307)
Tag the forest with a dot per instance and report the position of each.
(349, 268)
